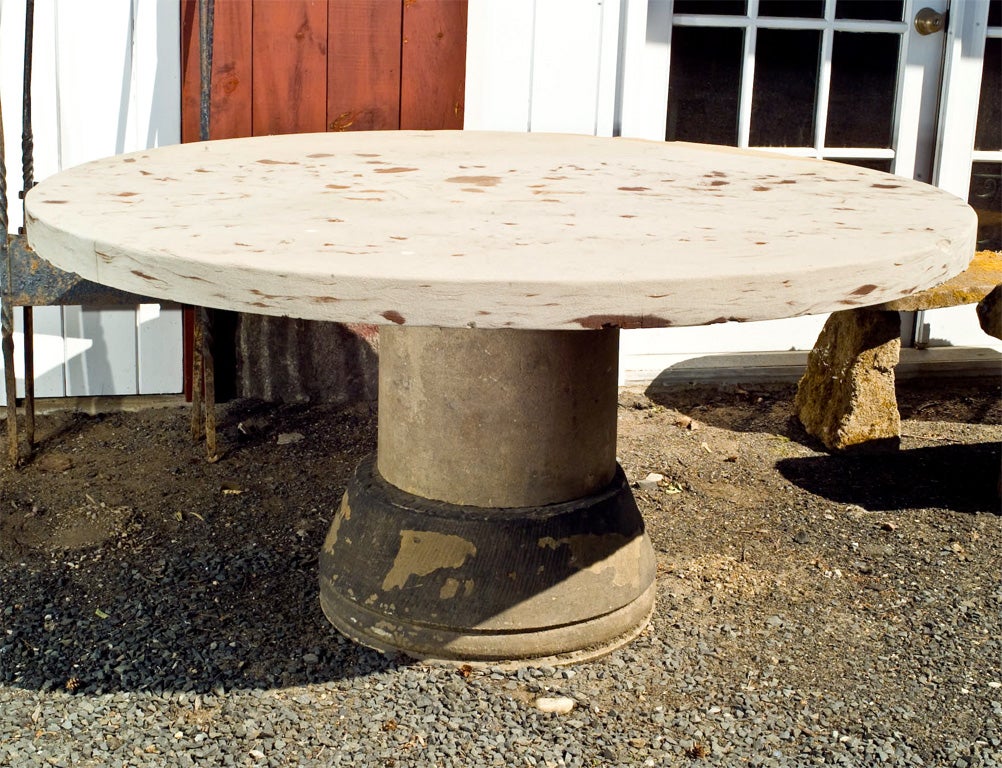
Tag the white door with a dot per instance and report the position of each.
(106, 80)
(969, 149)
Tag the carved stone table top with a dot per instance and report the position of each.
(494, 230)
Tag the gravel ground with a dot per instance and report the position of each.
(812, 610)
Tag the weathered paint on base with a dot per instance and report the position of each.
(431, 579)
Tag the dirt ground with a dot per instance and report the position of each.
(750, 514)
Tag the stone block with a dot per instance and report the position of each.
(990, 313)
(846, 397)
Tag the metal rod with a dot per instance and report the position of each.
(28, 181)
(196, 377)
(206, 23)
(203, 364)
(209, 374)
(27, 137)
(28, 314)
(7, 312)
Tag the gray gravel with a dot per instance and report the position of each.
(164, 690)
(167, 653)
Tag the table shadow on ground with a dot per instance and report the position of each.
(768, 406)
(962, 478)
(173, 585)
(179, 620)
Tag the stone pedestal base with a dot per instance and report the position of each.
(494, 523)
(399, 572)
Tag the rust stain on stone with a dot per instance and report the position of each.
(864, 290)
(393, 316)
(338, 186)
(761, 189)
(885, 186)
(634, 189)
(424, 552)
(318, 155)
(56, 202)
(480, 181)
(266, 161)
(396, 169)
(598, 322)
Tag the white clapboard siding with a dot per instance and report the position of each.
(106, 80)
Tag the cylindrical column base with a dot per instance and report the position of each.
(436, 580)
(498, 417)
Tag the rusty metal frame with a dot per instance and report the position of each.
(27, 280)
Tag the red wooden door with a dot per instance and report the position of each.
(287, 66)
(293, 66)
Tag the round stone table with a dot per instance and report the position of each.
(494, 522)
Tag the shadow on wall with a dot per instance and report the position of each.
(293, 361)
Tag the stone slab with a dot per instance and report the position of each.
(496, 230)
(969, 287)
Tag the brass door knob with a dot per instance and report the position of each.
(929, 22)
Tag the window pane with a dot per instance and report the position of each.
(879, 10)
(995, 13)
(861, 102)
(786, 75)
(986, 198)
(715, 7)
(807, 9)
(703, 85)
(876, 164)
(989, 133)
